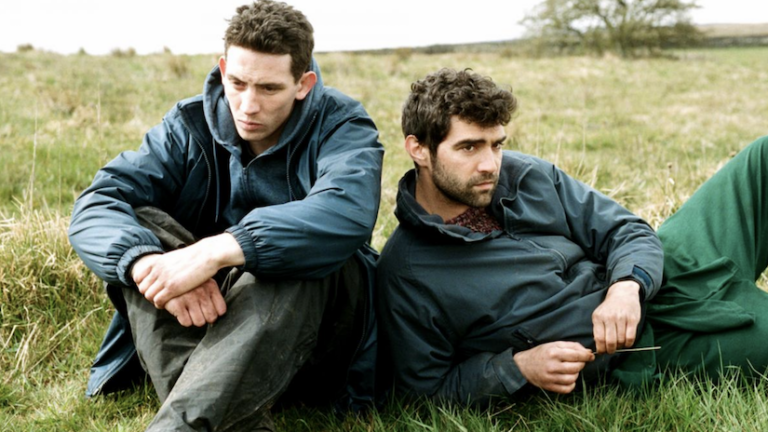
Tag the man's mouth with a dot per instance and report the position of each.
(249, 125)
(485, 184)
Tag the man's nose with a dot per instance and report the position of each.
(250, 102)
(488, 161)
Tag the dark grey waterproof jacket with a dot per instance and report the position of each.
(190, 166)
(455, 305)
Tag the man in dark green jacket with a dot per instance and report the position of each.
(505, 272)
(272, 174)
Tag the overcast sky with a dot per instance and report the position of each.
(196, 26)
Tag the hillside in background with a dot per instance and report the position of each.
(735, 35)
(734, 30)
(715, 35)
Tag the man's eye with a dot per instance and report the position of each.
(469, 148)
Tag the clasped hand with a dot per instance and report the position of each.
(181, 281)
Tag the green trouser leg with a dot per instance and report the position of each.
(709, 313)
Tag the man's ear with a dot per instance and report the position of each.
(306, 82)
(418, 152)
(223, 67)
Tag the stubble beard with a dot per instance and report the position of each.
(464, 193)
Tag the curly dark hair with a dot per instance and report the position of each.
(274, 28)
(440, 95)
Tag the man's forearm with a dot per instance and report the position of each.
(161, 277)
(225, 251)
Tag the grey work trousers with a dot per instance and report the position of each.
(227, 376)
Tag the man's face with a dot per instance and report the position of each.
(466, 167)
(261, 93)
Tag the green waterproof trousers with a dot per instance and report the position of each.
(709, 315)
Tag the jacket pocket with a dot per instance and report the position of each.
(522, 340)
(556, 255)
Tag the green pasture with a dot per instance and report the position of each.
(645, 132)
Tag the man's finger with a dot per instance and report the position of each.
(164, 293)
(196, 314)
(559, 388)
(599, 331)
(579, 356)
(208, 308)
(564, 379)
(159, 299)
(631, 335)
(610, 337)
(181, 314)
(621, 333)
(138, 273)
(153, 288)
(570, 368)
(218, 303)
(571, 352)
(146, 283)
(184, 319)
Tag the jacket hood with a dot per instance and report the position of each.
(413, 216)
(222, 126)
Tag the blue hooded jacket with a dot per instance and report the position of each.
(306, 225)
(464, 302)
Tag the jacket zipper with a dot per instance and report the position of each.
(293, 151)
(208, 186)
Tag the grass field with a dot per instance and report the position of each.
(646, 132)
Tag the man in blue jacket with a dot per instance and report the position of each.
(507, 273)
(233, 242)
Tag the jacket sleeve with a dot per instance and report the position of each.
(313, 237)
(420, 342)
(611, 234)
(104, 230)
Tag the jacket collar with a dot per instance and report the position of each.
(413, 216)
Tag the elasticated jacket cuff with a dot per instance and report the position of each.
(247, 244)
(642, 278)
(129, 258)
(508, 372)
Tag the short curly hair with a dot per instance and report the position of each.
(446, 93)
(274, 28)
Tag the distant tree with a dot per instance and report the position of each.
(117, 52)
(629, 27)
(25, 48)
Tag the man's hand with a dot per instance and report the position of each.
(161, 277)
(554, 366)
(200, 306)
(615, 321)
